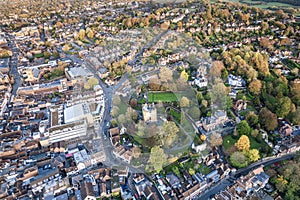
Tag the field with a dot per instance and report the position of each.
(162, 96)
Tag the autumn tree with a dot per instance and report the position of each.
(215, 139)
(216, 68)
(90, 34)
(184, 75)
(169, 132)
(136, 152)
(268, 119)
(157, 158)
(131, 114)
(91, 83)
(122, 119)
(154, 84)
(243, 144)
(184, 102)
(165, 74)
(81, 34)
(116, 100)
(253, 155)
(255, 87)
(114, 111)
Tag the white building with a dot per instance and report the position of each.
(67, 131)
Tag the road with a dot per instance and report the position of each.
(13, 63)
(226, 182)
(147, 46)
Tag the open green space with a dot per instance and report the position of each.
(229, 141)
(164, 97)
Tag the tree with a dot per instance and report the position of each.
(238, 159)
(194, 112)
(191, 171)
(268, 119)
(284, 107)
(216, 68)
(184, 102)
(114, 111)
(133, 102)
(202, 137)
(255, 87)
(81, 34)
(47, 54)
(252, 119)
(215, 139)
(253, 155)
(66, 48)
(122, 119)
(169, 132)
(184, 75)
(243, 144)
(243, 128)
(136, 152)
(157, 158)
(131, 114)
(165, 74)
(90, 34)
(154, 84)
(91, 83)
(116, 100)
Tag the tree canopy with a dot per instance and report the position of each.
(157, 158)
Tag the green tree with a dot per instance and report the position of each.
(194, 112)
(284, 107)
(157, 158)
(243, 128)
(252, 119)
(238, 159)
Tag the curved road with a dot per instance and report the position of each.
(220, 186)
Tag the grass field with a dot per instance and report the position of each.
(229, 141)
(162, 96)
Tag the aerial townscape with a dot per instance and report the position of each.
(150, 99)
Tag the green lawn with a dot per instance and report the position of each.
(162, 96)
(228, 141)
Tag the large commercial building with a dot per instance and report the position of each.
(67, 131)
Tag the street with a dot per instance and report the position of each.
(225, 182)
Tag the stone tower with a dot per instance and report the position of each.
(149, 113)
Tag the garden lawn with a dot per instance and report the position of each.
(162, 96)
(228, 141)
